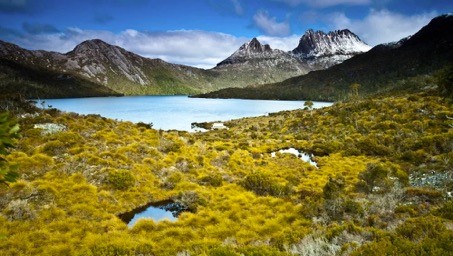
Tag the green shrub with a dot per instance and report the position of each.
(334, 198)
(190, 200)
(406, 209)
(446, 211)
(223, 251)
(334, 187)
(261, 251)
(214, 180)
(445, 80)
(423, 194)
(121, 179)
(375, 177)
(8, 132)
(54, 147)
(264, 185)
(353, 208)
(417, 229)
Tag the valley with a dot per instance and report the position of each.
(105, 161)
(378, 180)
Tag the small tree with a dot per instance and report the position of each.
(374, 177)
(309, 104)
(334, 187)
(8, 132)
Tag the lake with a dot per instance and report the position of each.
(173, 112)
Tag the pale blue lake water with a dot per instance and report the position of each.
(174, 112)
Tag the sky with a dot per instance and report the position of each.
(202, 33)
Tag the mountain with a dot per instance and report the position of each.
(320, 50)
(96, 68)
(255, 63)
(249, 51)
(254, 51)
(28, 73)
(101, 65)
(377, 70)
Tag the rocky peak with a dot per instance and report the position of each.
(254, 46)
(252, 50)
(339, 42)
(93, 46)
(96, 57)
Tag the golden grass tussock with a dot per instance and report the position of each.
(382, 183)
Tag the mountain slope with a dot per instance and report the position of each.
(255, 63)
(103, 64)
(376, 70)
(38, 83)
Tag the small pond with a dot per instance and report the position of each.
(300, 154)
(157, 211)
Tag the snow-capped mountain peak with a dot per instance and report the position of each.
(322, 50)
(260, 63)
(339, 42)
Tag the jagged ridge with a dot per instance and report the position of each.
(321, 50)
(251, 50)
(260, 63)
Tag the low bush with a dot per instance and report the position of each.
(121, 179)
(263, 185)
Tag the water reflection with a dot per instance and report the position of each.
(157, 211)
(300, 154)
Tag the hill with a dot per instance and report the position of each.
(92, 65)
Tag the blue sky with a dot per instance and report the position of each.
(203, 32)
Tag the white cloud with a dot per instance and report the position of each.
(324, 3)
(270, 25)
(237, 7)
(287, 43)
(382, 26)
(189, 47)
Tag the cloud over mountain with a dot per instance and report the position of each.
(190, 47)
(269, 25)
(382, 26)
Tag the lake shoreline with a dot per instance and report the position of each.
(172, 112)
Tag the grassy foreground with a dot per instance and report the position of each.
(383, 186)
